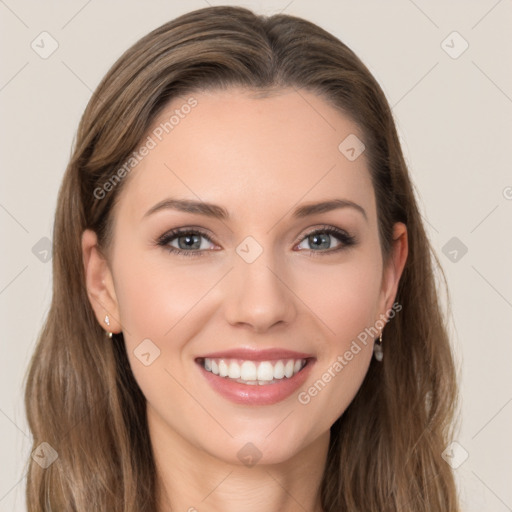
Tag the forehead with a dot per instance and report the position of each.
(249, 153)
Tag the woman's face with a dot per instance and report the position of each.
(267, 281)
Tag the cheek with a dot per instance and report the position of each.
(157, 302)
(154, 296)
(344, 297)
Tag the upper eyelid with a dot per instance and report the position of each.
(325, 227)
(176, 232)
(172, 234)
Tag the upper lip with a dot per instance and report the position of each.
(257, 355)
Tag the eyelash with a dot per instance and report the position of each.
(343, 237)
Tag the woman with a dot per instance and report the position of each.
(244, 311)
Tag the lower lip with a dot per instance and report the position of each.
(257, 394)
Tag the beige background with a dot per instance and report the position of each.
(454, 116)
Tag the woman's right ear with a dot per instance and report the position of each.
(99, 283)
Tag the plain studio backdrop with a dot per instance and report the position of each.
(443, 67)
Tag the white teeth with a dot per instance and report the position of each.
(279, 370)
(288, 369)
(265, 371)
(223, 368)
(248, 371)
(254, 372)
(234, 370)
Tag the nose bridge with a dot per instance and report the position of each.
(256, 293)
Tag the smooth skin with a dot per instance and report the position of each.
(259, 158)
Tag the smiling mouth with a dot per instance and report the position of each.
(253, 372)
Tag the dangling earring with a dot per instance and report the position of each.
(377, 349)
(107, 321)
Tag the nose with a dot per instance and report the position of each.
(257, 294)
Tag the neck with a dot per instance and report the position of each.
(191, 480)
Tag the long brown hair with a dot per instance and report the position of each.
(81, 396)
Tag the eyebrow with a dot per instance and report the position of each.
(218, 212)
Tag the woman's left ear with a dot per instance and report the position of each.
(394, 266)
(100, 284)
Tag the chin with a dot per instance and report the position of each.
(258, 449)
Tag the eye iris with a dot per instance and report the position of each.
(322, 238)
(191, 241)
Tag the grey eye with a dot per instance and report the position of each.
(318, 240)
(192, 241)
